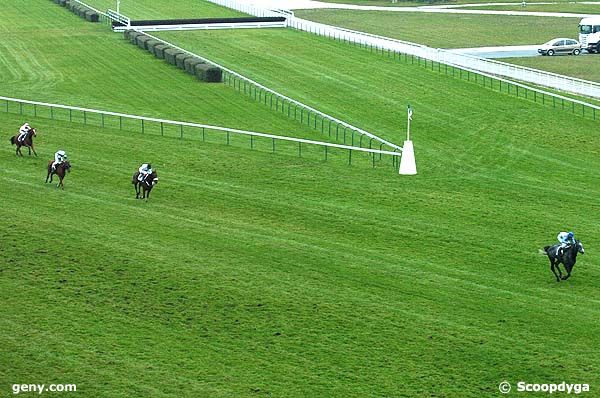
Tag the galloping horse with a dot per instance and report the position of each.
(60, 170)
(144, 187)
(27, 142)
(567, 257)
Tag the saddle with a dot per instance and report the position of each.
(561, 250)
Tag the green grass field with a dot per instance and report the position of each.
(449, 30)
(165, 9)
(418, 3)
(73, 62)
(457, 31)
(585, 67)
(337, 78)
(559, 7)
(251, 274)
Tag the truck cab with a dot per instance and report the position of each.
(589, 34)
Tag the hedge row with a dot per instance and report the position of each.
(189, 63)
(82, 11)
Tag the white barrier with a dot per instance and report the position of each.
(120, 18)
(207, 26)
(84, 111)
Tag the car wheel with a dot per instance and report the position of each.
(576, 51)
(550, 52)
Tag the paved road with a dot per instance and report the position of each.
(503, 52)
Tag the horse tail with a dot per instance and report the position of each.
(546, 248)
(12, 140)
(543, 252)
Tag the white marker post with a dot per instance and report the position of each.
(118, 6)
(408, 166)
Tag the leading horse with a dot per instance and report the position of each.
(145, 186)
(566, 256)
(26, 142)
(60, 170)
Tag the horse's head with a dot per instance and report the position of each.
(67, 165)
(579, 247)
(32, 133)
(154, 178)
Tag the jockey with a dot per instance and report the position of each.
(23, 132)
(59, 157)
(145, 170)
(566, 239)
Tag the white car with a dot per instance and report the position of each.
(560, 46)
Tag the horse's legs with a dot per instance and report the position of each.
(558, 268)
(32, 149)
(552, 268)
(19, 151)
(137, 190)
(568, 270)
(29, 150)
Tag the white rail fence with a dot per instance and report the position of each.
(234, 78)
(547, 79)
(206, 26)
(120, 18)
(181, 129)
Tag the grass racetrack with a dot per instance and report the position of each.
(583, 67)
(579, 8)
(65, 60)
(449, 30)
(255, 274)
(167, 9)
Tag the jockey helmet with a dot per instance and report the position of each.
(26, 125)
(61, 153)
(570, 235)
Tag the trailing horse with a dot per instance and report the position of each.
(27, 142)
(144, 187)
(60, 170)
(567, 256)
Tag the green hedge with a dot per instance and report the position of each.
(142, 40)
(159, 50)
(76, 8)
(180, 59)
(91, 16)
(133, 37)
(191, 63)
(170, 55)
(209, 73)
(150, 44)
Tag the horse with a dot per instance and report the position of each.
(60, 170)
(144, 187)
(567, 256)
(27, 142)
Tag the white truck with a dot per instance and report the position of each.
(589, 34)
